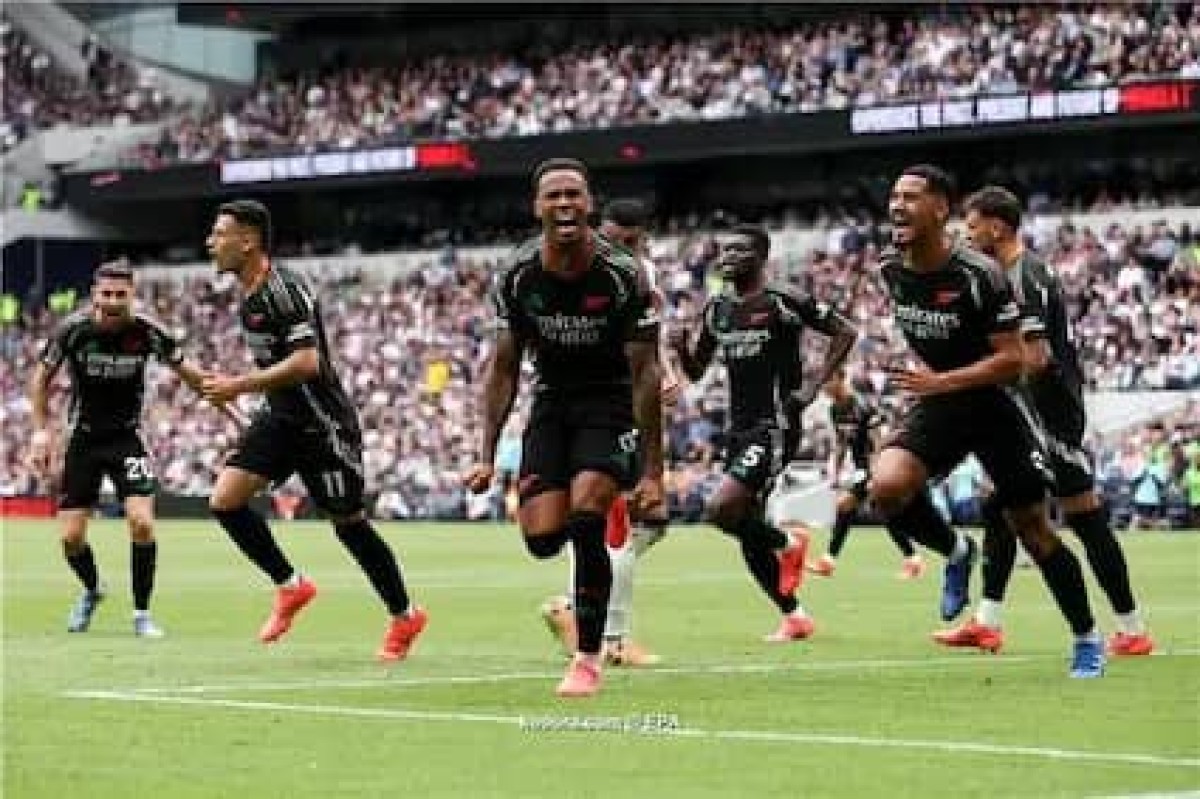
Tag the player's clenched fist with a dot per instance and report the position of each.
(39, 451)
(648, 499)
(479, 478)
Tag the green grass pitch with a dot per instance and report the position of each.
(869, 707)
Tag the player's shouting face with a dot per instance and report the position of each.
(916, 213)
(740, 257)
(112, 301)
(563, 203)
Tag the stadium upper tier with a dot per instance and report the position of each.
(858, 61)
(39, 95)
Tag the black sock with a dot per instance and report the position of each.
(764, 567)
(250, 532)
(593, 577)
(143, 557)
(999, 552)
(901, 540)
(755, 530)
(83, 563)
(1105, 556)
(925, 525)
(377, 561)
(1064, 578)
(841, 528)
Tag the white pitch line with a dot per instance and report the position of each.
(767, 736)
(384, 681)
(1156, 795)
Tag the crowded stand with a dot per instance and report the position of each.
(806, 66)
(412, 346)
(39, 95)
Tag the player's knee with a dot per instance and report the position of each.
(846, 503)
(722, 515)
(1032, 526)
(141, 528)
(889, 494)
(545, 546)
(221, 502)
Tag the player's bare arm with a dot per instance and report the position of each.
(301, 365)
(694, 358)
(39, 397)
(193, 377)
(647, 409)
(500, 382)
(840, 344)
(1003, 366)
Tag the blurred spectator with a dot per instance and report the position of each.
(38, 95)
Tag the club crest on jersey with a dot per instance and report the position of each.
(255, 319)
(132, 343)
(945, 296)
(594, 303)
(760, 317)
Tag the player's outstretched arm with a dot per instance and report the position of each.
(301, 365)
(501, 376)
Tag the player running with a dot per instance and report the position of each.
(1055, 385)
(856, 425)
(106, 347)
(581, 305)
(756, 329)
(308, 428)
(957, 313)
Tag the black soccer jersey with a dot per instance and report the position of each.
(278, 318)
(108, 367)
(575, 328)
(1057, 392)
(854, 420)
(948, 315)
(758, 337)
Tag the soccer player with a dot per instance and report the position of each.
(856, 425)
(757, 330)
(308, 427)
(624, 222)
(957, 313)
(1054, 383)
(581, 306)
(106, 347)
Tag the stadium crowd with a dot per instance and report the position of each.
(410, 349)
(38, 94)
(820, 65)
